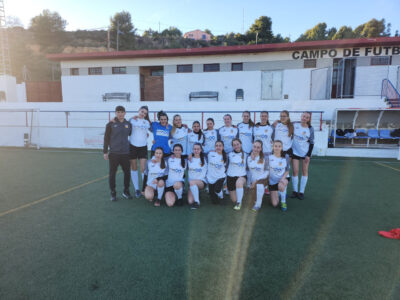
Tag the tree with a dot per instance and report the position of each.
(209, 32)
(122, 31)
(331, 32)
(48, 30)
(317, 33)
(172, 33)
(373, 28)
(261, 30)
(344, 32)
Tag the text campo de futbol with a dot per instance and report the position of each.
(346, 52)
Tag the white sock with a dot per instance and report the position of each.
(283, 196)
(303, 183)
(195, 192)
(260, 194)
(160, 192)
(239, 195)
(220, 194)
(295, 183)
(179, 193)
(135, 179)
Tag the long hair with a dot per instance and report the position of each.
(288, 123)
(251, 123)
(162, 163)
(200, 134)
(161, 114)
(182, 159)
(201, 154)
(281, 154)
(309, 122)
(241, 150)
(261, 160)
(224, 157)
(173, 130)
(147, 114)
(265, 112)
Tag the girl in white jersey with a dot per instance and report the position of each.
(210, 136)
(278, 167)
(303, 143)
(179, 134)
(263, 132)
(156, 175)
(138, 145)
(245, 130)
(194, 136)
(227, 133)
(197, 170)
(284, 132)
(236, 179)
(258, 169)
(176, 169)
(216, 172)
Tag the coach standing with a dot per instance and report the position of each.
(116, 138)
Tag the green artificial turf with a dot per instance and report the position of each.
(80, 245)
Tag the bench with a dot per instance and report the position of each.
(203, 94)
(117, 96)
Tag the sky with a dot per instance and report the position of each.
(289, 18)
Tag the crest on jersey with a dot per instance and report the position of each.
(304, 133)
(126, 126)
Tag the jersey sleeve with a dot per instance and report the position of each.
(311, 141)
(107, 137)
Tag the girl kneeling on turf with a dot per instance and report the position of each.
(236, 179)
(176, 170)
(278, 167)
(197, 169)
(258, 170)
(156, 174)
(216, 172)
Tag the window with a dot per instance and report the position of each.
(157, 72)
(95, 71)
(119, 70)
(237, 67)
(184, 68)
(203, 36)
(381, 61)
(211, 68)
(310, 63)
(74, 71)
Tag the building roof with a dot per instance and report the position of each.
(223, 50)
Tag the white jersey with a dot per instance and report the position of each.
(258, 171)
(264, 134)
(246, 136)
(175, 171)
(281, 133)
(153, 171)
(216, 167)
(180, 137)
(140, 127)
(195, 170)
(302, 138)
(237, 164)
(192, 139)
(277, 166)
(226, 135)
(210, 137)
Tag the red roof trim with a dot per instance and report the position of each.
(383, 41)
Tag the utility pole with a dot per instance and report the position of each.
(117, 36)
(5, 62)
(256, 37)
(108, 39)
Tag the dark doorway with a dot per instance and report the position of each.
(152, 83)
(343, 77)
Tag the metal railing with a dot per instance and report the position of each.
(392, 96)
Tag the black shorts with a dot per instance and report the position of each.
(294, 156)
(169, 189)
(231, 182)
(137, 152)
(274, 187)
(288, 152)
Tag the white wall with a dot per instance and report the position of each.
(9, 85)
(89, 89)
(21, 92)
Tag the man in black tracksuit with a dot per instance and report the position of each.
(116, 138)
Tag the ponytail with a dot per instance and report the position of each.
(251, 123)
(289, 124)
(147, 115)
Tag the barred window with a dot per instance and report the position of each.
(74, 71)
(381, 61)
(184, 68)
(310, 63)
(211, 68)
(237, 67)
(157, 72)
(95, 71)
(119, 70)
